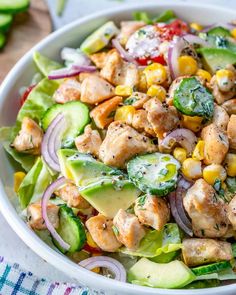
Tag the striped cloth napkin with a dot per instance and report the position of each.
(15, 281)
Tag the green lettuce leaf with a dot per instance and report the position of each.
(38, 101)
(156, 243)
(25, 160)
(34, 183)
(44, 64)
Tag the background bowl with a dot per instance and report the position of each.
(21, 74)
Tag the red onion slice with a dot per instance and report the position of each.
(75, 56)
(184, 137)
(72, 71)
(45, 199)
(107, 262)
(180, 220)
(192, 39)
(124, 54)
(52, 142)
(175, 49)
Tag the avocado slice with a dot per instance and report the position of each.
(108, 196)
(217, 58)
(174, 274)
(219, 31)
(106, 188)
(100, 38)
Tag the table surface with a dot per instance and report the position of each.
(11, 246)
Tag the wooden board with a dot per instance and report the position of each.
(27, 30)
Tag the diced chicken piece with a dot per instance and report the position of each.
(127, 28)
(232, 212)
(70, 194)
(69, 90)
(206, 210)
(103, 113)
(141, 124)
(139, 99)
(121, 143)
(119, 72)
(220, 117)
(84, 75)
(152, 211)
(89, 142)
(203, 251)
(219, 95)
(163, 118)
(29, 138)
(216, 144)
(99, 59)
(95, 89)
(231, 132)
(35, 218)
(230, 106)
(129, 231)
(102, 233)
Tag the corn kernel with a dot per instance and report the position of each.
(187, 65)
(192, 123)
(206, 76)
(230, 164)
(158, 91)
(233, 33)
(18, 178)
(96, 269)
(142, 84)
(198, 152)
(125, 114)
(225, 79)
(155, 74)
(90, 241)
(180, 154)
(123, 90)
(213, 172)
(192, 168)
(196, 26)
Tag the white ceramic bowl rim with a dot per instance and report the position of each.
(26, 234)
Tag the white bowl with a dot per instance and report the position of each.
(21, 74)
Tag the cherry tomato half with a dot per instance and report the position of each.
(145, 61)
(175, 28)
(26, 94)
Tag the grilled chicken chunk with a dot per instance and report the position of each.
(69, 90)
(35, 218)
(102, 233)
(94, 89)
(220, 117)
(152, 211)
(89, 142)
(121, 143)
(119, 72)
(163, 118)
(70, 194)
(29, 138)
(206, 210)
(203, 251)
(141, 123)
(231, 212)
(216, 144)
(231, 132)
(129, 231)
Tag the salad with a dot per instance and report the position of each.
(127, 152)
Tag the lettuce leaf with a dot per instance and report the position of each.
(34, 183)
(44, 64)
(156, 243)
(25, 160)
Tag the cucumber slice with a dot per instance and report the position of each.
(71, 230)
(5, 22)
(193, 99)
(77, 115)
(2, 40)
(100, 38)
(154, 173)
(211, 268)
(217, 58)
(10, 6)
